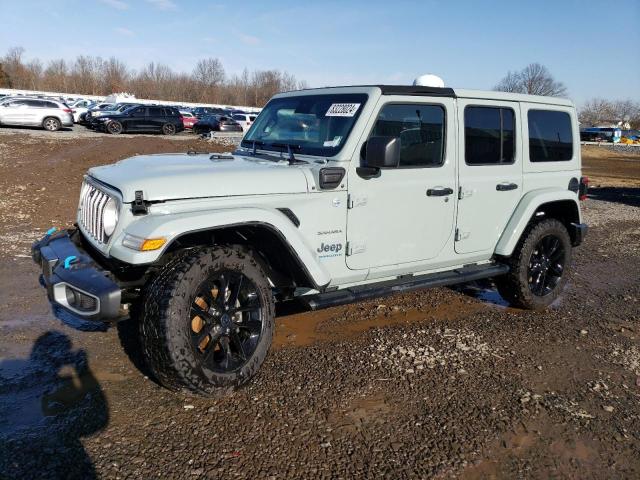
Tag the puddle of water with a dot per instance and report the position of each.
(310, 327)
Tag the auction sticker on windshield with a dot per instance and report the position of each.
(342, 109)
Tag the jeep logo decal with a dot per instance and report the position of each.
(329, 249)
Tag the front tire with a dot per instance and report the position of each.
(114, 127)
(208, 321)
(51, 124)
(540, 266)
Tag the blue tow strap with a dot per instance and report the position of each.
(69, 260)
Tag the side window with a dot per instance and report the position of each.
(34, 103)
(51, 105)
(138, 112)
(156, 112)
(489, 135)
(550, 136)
(421, 129)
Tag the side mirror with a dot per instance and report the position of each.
(383, 152)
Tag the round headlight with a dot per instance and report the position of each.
(110, 217)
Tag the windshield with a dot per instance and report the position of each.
(311, 124)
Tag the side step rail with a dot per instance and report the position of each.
(400, 285)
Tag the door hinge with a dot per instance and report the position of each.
(355, 248)
(356, 201)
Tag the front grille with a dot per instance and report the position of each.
(91, 210)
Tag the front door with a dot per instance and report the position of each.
(14, 113)
(406, 213)
(490, 172)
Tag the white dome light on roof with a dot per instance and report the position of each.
(428, 80)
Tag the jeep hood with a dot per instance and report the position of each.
(181, 176)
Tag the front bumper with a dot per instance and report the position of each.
(578, 232)
(74, 281)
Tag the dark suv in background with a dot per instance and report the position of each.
(216, 123)
(142, 118)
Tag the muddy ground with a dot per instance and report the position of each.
(443, 383)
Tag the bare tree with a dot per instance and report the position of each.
(5, 81)
(55, 76)
(600, 112)
(510, 83)
(534, 79)
(209, 72)
(207, 82)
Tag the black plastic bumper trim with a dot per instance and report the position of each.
(83, 273)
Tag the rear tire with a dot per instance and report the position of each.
(540, 266)
(168, 129)
(51, 124)
(208, 321)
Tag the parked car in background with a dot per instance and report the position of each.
(115, 109)
(245, 120)
(86, 118)
(216, 123)
(78, 110)
(51, 115)
(142, 118)
(188, 119)
(202, 112)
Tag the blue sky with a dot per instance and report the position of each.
(593, 47)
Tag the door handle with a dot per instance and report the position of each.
(505, 186)
(439, 192)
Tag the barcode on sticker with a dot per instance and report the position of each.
(342, 110)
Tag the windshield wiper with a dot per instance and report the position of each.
(290, 148)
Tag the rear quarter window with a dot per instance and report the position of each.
(550, 136)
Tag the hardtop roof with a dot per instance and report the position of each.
(413, 90)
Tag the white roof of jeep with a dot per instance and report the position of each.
(434, 92)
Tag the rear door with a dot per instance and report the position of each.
(136, 119)
(156, 117)
(489, 173)
(35, 112)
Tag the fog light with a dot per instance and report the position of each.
(79, 300)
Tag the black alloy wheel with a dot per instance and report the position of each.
(226, 321)
(546, 265)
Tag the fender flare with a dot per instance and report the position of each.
(174, 225)
(523, 213)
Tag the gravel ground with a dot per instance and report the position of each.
(444, 383)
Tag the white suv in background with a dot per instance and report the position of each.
(36, 112)
(245, 120)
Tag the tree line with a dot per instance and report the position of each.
(206, 83)
(536, 79)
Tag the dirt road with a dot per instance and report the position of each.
(442, 383)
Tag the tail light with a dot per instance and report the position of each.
(66, 110)
(584, 187)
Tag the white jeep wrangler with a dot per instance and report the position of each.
(335, 195)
